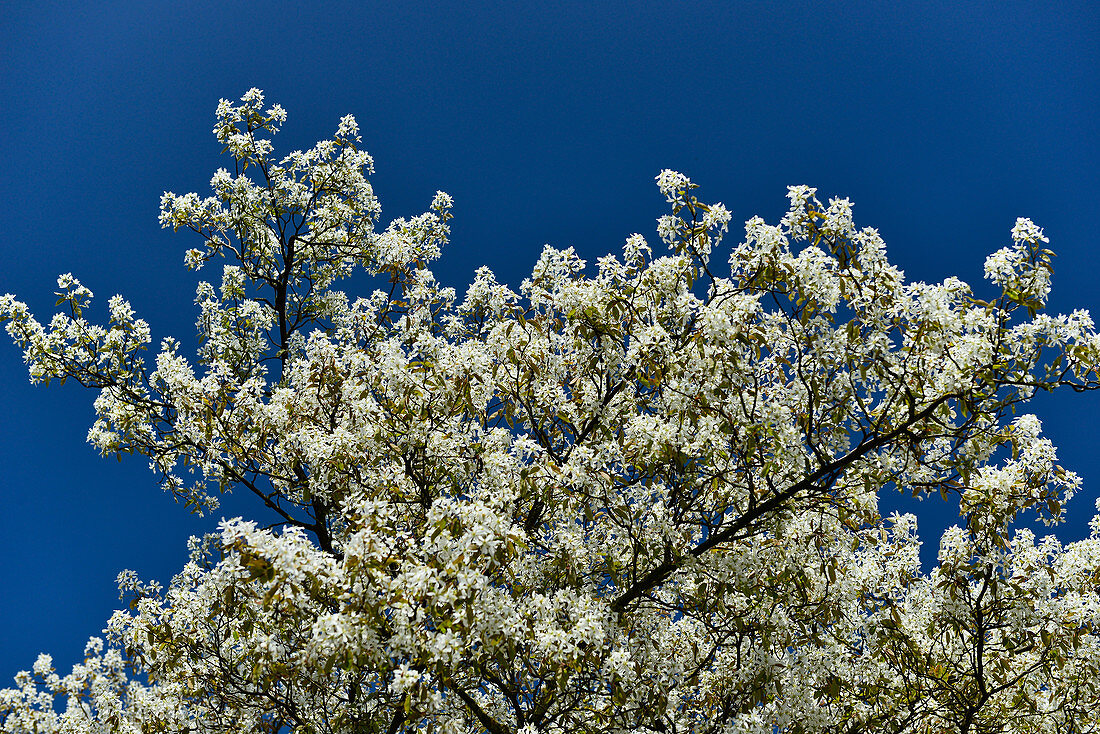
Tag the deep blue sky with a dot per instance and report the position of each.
(943, 122)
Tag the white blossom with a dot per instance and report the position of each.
(639, 494)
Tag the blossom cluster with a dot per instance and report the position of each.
(638, 494)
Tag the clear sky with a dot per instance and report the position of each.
(547, 122)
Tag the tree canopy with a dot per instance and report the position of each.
(635, 496)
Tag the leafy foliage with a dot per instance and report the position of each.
(636, 497)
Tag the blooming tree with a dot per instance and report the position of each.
(639, 496)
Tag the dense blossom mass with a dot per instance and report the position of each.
(639, 495)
